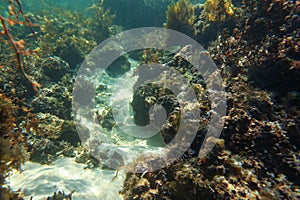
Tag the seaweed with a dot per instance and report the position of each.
(61, 195)
(217, 10)
(257, 156)
(12, 142)
(180, 17)
(71, 35)
(18, 46)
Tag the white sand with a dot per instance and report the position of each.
(65, 175)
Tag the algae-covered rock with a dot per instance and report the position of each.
(212, 18)
(55, 100)
(257, 157)
(69, 133)
(54, 68)
(71, 35)
(180, 17)
(160, 92)
(52, 137)
(221, 175)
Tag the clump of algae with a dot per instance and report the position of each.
(217, 10)
(180, 17)
(12, 144)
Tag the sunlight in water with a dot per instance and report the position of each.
(65, 175)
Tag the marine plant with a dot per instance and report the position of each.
(61, 195)
(180, 17)
(99, 22)
(258, 155)
(15, 13)
(12, 143)
(71, 35)
(218, 10)
(13, 110)
(213, 18)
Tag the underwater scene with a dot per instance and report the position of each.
(149, 99)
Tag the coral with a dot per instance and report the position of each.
(180, 17)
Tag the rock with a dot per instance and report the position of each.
(54, 68)
(55, 100)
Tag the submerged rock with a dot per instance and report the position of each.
(257, 156)
(52, 137)
(53, 69)
(221, 175)
(55, 100)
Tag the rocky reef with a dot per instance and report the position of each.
(257, 156)
(37, 125)
(256, 46)
(221, 175)
(72, 34)
(203, 22)
(60, 195)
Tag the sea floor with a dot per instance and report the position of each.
(66, 175)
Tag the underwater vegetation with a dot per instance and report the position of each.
(202, 21)
(213, 18)
(216, 10)
(61, 196)
(180, 17)
(257, 156)
(12, 144)
(254, 43)
(13, 110)
(36, 48)
(18, 46)
(72, 34)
